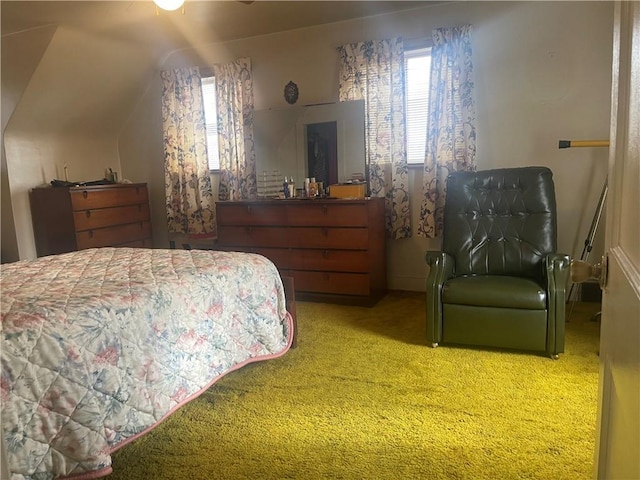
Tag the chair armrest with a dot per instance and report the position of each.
(557, 276)
(441, 266)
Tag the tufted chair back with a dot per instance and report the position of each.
(500, 222)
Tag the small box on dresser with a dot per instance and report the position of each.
(349, 190)
(333, 249)
(75, 218)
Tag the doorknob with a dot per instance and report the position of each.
(582, 271)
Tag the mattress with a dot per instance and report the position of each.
(100, 345)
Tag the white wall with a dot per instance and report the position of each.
(142, 155)
(543, 73)
(21, 54)
(70, 111)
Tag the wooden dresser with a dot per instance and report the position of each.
(333, 249)
(74, 218)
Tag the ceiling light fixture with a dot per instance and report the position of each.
(169, 4)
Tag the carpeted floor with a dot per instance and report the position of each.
(362, 397)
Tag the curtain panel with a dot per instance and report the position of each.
(189, 197)
(374, 71)
(451, 129)
(234, 95)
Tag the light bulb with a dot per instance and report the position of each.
(169, 4)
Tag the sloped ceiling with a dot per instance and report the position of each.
(85, 84)
(104, 52)
(201, 22)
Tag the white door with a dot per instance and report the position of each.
(618, 431)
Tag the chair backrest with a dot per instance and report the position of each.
(500, 222)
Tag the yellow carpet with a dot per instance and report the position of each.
(362, 397)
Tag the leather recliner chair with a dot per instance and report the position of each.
(498, 281)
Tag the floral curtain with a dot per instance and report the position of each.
(451, 130)
(234, 95)
(189, 197)
(374, 71)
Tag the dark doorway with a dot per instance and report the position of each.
(322, 152)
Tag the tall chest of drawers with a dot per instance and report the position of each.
(333, 249)
(76, 218)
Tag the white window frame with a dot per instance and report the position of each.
(417, 64)
(211, 120)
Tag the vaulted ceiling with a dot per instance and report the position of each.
(97, 56)
(200, 21)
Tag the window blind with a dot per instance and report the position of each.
(417, 76)
(211, 120)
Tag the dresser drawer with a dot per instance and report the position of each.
(330, 260)
(72, 218)
(321, 237)
(355, 261)
(314, 213)
(111, 236)
(334, 249)
(90, 198)
(249, 214)
(250, 236)
(283, 258)
(107, 217)
(331, 282)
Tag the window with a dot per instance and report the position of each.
(417, 66)
(211, 120)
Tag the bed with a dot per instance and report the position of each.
(101, 345)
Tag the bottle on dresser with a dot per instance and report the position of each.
(313, 187)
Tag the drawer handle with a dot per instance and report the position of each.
(249, 209)
(324, 209)
(85, 194)
(249, 230)
(90, 233)
(325, 253)
(325, 232)
(88, 213)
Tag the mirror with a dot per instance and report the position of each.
(302, 142)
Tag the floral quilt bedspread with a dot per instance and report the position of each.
(98, 346)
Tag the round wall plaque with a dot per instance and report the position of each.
(291, 93)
